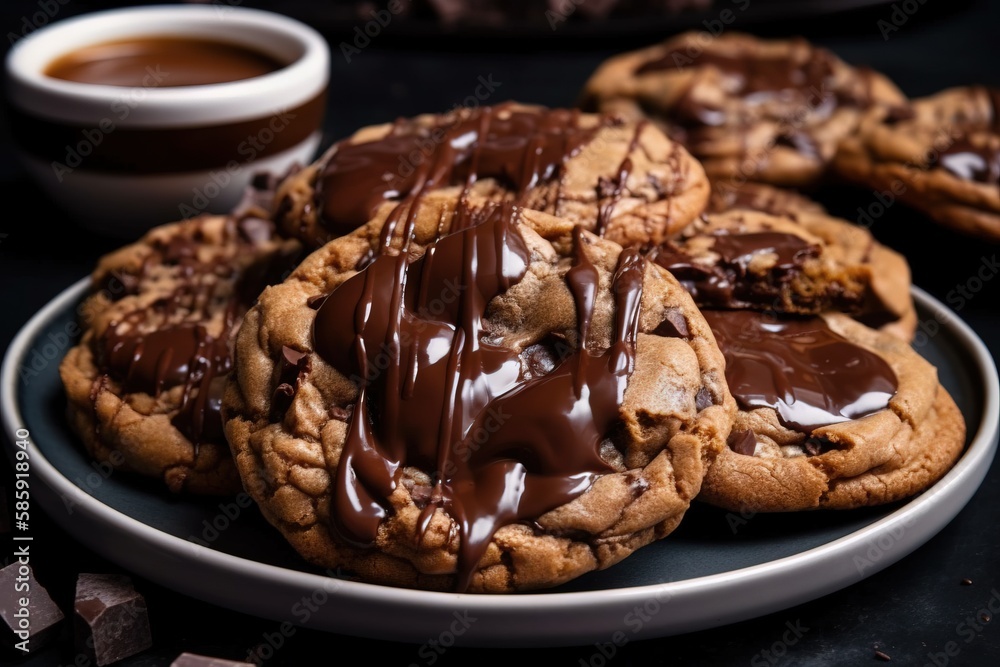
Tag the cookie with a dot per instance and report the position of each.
(940, 155)
(832, 415)
(626, 181)
(501, 408)
(771, 111)
(760, 197)
(807, 265)
(145, 381)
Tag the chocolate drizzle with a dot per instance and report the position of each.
(724, 283)
(611, 190)
(808, 374)
(507, 435)
(520, 148)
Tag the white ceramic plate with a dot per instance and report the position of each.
(717, 568)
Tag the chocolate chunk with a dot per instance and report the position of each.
(966, 582)
(258, 196)
(673, 326)
(111, 619)
(178, 250)
(342, 414)
(637, 485)
(542, 358)
(195, 660)
(703, 399)
(29, 617)
(284, 208)
(255, 230)
(295, 366)
(742, 442)
(896, 115)
(817, 446)
(117, 284)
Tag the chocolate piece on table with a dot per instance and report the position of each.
(195, 660)
(29, 616)
(111, 618)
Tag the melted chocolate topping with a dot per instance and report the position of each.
(182, 353)
(791, 83)
(507, 435)
(159, 359)
(724, 284)
(519, 148)
(808, 374)
(971, 163)
(757, 74)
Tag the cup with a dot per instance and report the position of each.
(122, 158)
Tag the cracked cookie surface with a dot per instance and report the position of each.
(771, 111)
(832, 415)
(625, 181)
(145, 381)
(587, 398)
(940, 155)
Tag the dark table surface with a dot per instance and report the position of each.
(910, 611)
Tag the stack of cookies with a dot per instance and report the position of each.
(791, 114)
(494, 349)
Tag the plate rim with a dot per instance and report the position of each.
(583, 615)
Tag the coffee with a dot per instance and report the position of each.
(175, 61)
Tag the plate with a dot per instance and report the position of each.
(718, 567)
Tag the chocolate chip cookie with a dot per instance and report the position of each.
(503, 407)
(727, 196)
(807, 265)
(832, 415)
(771, 111)
(145, 382)
(940, 154)
(625, 181)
